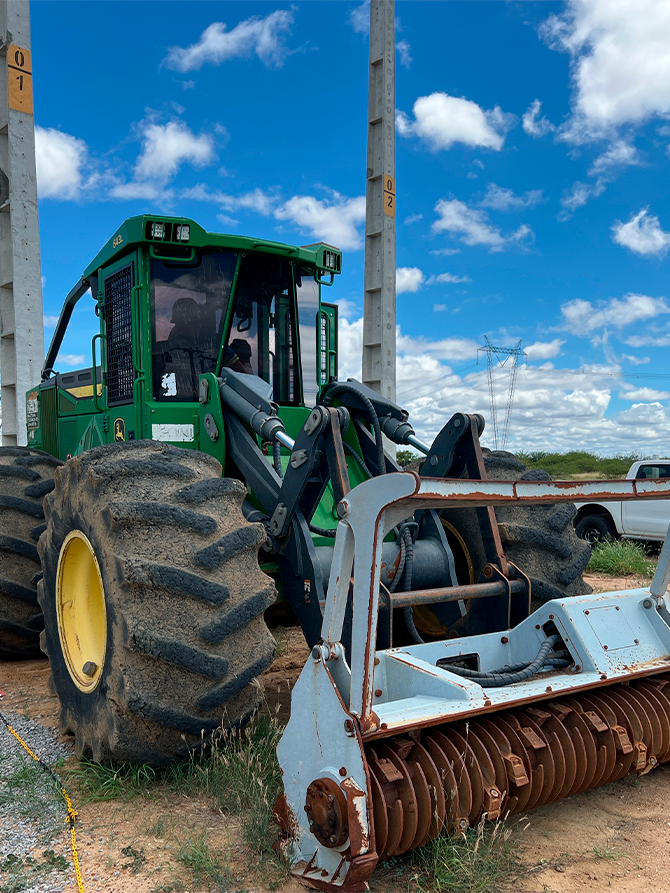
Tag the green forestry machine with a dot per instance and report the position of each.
(208, 469)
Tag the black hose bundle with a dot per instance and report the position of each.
(341, 386)
(546, 659)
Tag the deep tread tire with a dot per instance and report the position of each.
(26, 475)
(540, 539)
(185, 598)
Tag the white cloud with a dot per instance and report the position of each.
(408, 279)
(359, 18)
(413, 218)
(621, 66)
(445, 252)
(501, 199)
(333, 221)
(263, 37)
(447, 278)
(438, 308)
(473, 226)
(70, 359)
(648, 341)
(544, 350)
(442, 120)
(255, 200)
(49, 320)
(642, 234)
(620, 153)
(646, 395)
(166, 146)
(581, 317)
(59, 159)
(149, 191)
(532, 123)
(403, 48)
(578, 196)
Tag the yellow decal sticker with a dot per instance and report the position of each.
(119, 430)
(389, 196)
(118, 240)
(19, 79)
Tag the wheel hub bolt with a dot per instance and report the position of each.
(89, 668)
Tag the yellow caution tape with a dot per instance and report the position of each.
(71, 817)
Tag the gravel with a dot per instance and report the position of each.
(32, 812)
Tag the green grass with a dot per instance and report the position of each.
(207, 867)
(620, 558)
(22, 873)
(241, 774)
(485, 859)
(561, 465)
(99, 783)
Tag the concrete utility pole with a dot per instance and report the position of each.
(379, 366)
(21, 323)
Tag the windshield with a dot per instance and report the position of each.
(189, 309)
(188, 313)
(262, 332)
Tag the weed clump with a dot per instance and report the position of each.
(620, 558)
(485, 859)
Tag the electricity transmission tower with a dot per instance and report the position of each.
(493, 356)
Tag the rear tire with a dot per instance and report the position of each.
(595, 529)
(540, 539)
(26, 475)
(183, 637)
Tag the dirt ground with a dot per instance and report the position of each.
(615, 838)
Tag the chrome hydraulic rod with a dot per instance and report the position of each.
(415, 442)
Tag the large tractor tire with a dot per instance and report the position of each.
(153, 601)
(26, 476)
(540, 539)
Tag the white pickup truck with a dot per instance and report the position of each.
(636, 519)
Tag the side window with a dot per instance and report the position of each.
(653, 471)
(307, 292)
(118, 324)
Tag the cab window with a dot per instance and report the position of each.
(188, 314)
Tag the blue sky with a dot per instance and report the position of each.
(533, 146)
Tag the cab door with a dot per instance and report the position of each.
(648, 518)
(121, 348)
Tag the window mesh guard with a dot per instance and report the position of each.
(118, 318)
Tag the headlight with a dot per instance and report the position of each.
(157, 230)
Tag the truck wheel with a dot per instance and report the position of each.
(153, 601)
(540, 539)
(26, 475)
(595, 528)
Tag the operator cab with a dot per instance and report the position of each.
(195, 323)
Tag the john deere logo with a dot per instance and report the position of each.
(119, 429)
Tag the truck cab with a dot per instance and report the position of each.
(638, 519)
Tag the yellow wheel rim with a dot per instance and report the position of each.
(81, 611)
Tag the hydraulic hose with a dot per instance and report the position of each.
(508, 676)
(340, 386)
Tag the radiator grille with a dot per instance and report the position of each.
(48, 420)
(118, 319)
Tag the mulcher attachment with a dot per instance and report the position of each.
(384, 753)
(449, 777)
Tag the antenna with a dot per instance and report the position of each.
(496, 353)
